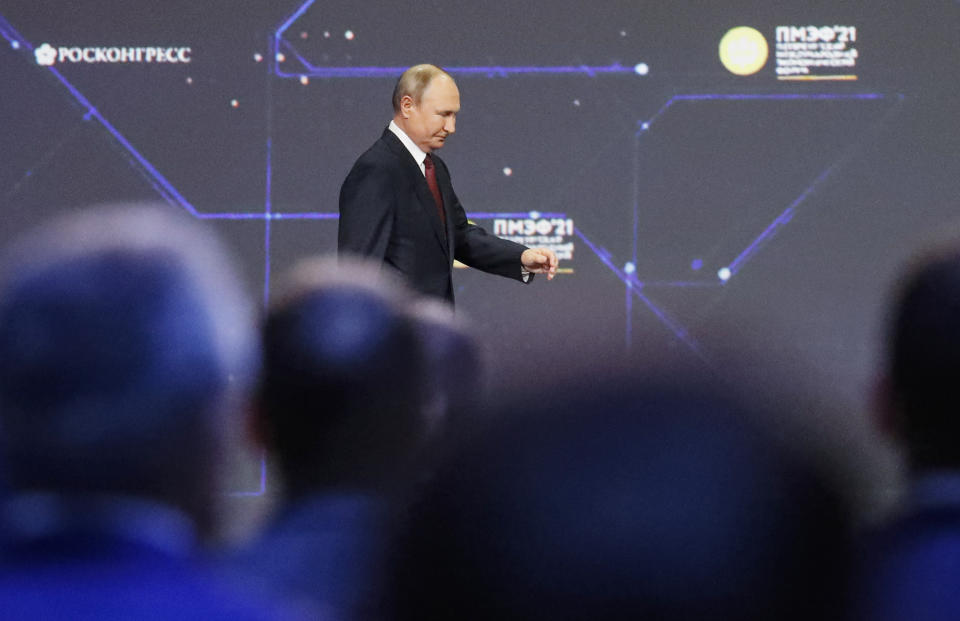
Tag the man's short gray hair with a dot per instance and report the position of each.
(414, 82)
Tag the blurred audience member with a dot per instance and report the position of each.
(455, 377)
(341, 411)
(125, 349)
(622, 502)
(911, 563)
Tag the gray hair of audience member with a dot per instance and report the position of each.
(125, 343)
(341, 403)
(924, 358)
(621, 501)
(456, 371)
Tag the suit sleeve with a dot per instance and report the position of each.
(481, 250)
(367, 208)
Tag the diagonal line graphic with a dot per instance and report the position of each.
(634, 286)
(787, 214)
(494, 71)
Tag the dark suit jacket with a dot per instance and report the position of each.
(84, 568)
(908, 569)
(387, 212)
(324, 548)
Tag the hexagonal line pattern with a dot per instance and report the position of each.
(628, 273)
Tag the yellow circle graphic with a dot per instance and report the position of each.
(743, 50)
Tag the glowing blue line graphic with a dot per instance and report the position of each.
(707, 284)
(644, 125)
(768, 233)
(293, 17)
(490, 215)
(787, 215)
(333, 215)
(314, 71)
(772, 229)
(634, 286)
(488, 71)
(164, 187)
(7, 33)
(269, 216)
(289, 47)
(263, 481)
(154, 177)
(268, 191)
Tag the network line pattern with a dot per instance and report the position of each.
(282, 45)
(626, 273)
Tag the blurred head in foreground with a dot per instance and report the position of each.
(622, 501)
(341, 404)
(455, 375)
(919, 403)
(125, 345)
(909, 563)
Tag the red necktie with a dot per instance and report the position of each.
(430, 173)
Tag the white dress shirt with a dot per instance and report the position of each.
(418, 154)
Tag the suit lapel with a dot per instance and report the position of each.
(425, 198)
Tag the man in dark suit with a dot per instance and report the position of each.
(397, 203)
(911, 563)
(126, 348)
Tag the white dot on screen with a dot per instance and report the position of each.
(645, 126)
(189, 80)
(304, 80)
(641, 69)
(348, 35)
(304, 35)
(576, 102)
(724, 274)
(280, 57)
(630, 268)
(534, 214)
(326, 34)
(623, 33)
(234, 103)
(15, 45)
(258, 57)
(507, 171)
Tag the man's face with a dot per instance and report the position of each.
(429, 123)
